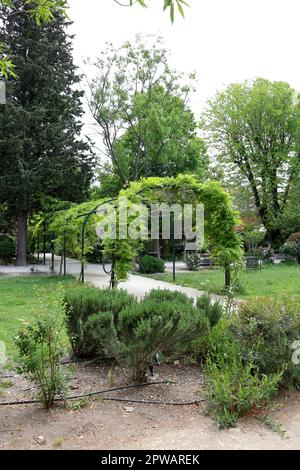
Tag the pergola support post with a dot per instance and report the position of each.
(65, 254)
(44, 242)
(227, 278)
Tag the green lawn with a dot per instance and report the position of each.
(20, 302)
(272, 280)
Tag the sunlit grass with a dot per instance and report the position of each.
(278, 279)
(20, 302)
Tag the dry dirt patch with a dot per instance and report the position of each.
(102, 424)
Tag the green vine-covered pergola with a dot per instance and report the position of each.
(220, 221)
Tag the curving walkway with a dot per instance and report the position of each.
(135, 284)
(94, 273)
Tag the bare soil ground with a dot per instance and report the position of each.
(104, 424)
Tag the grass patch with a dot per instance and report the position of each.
(277, 279)
(20, 302)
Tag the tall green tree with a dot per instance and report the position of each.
(291, 216)
(255, 129)
(42, 153)
(142, 114)
(161, 139)
(40, 10)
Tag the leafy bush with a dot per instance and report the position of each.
(198, 348)
(113, 323)
(234, 387)
(100, 335)
(267, 253)
(150, 327)
(192, 261)
(7, 248)
(252, 238)
(82, 303)
(40, 348)
(266, 329)
(250, 356)
(151, 265)
(161, 295)
(294, 237)
(292, 246)
(213, 310)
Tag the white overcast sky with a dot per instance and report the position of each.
(224, 41)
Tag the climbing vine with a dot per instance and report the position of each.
(220, 220)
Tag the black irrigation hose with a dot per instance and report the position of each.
(124, 387)
(157, 402)
(74, 361)
(99, 392)
(22, 402)
(86, 361)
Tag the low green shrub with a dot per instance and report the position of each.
(7, 248)
(212, 310)
(292, 246)
(40, 347)
(114, 324)
(162, 295)
(235, 387)
(150, 327)
(198, 348)
(82, 302)
(192, 261)
(151, 265)
(100, 335)
(266, 329)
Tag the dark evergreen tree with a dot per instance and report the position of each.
(41, 150)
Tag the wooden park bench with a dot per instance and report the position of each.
(253, 262)
(205, 261)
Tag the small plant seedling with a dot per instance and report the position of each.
(70, 370)
(110, 377)
(78, 404)
(9, 366)
(274, 426)
(58, 441)
(6, 383)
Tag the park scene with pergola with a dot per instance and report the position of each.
(149, 232)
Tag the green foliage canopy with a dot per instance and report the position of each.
(40, 10)
(219, 227)
(255, 126)
(141, 109)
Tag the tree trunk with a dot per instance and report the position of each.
(22, 240)
(274, 237)
(227, 278)
(157, 248)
